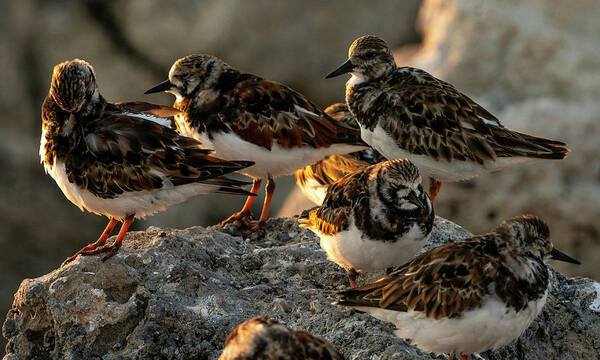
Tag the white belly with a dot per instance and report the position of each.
(489, 327)
(275, 162)
(442, 170)
(351, 249)
(141, 203)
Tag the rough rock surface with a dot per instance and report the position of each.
(176, 294)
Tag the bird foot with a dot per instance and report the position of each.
(258, 228)
(242, 216)
(95, 250)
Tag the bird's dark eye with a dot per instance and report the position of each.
(370, 54)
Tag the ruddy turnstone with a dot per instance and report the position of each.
(405, 112)
(373, 219)
(314, 179)
(265, 338)
(242, 115)
(467, 296)
(121, 160)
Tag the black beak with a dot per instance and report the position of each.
(163, 86)
(557, 255)
(343, 69)
(414, 199)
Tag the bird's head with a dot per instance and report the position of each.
(397, 184)
(190, 75)
(530, 236)
(73, 85)
(369, 58)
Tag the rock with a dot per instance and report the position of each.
(176, 294)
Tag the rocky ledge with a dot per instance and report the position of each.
(176, 294)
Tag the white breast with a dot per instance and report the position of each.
(140, 203)
(442, 170)
(489, 327)
(275, 162)
(351, 249)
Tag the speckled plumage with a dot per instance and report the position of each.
(314, 179)
(121, 160)
(238, 113)
(406, 112)
(374, 218)
(264, 338)
(500, 277)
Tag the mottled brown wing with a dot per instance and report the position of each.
(132, 154)
(431, 117)
(440, 283)
(264, 111)
(334, 215)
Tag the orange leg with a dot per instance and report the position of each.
(116, 245)
(100, 242)
(464, 357)
(270, 190)
(245, 212)
(434, 188)
(112, 248)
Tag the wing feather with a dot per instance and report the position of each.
(430, 117)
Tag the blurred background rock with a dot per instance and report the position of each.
(535, 64)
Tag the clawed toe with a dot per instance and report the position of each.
(241, 217)
(256, 228)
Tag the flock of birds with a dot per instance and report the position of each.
(362, 162)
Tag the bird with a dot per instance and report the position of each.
(243, 115)
(314, 179)
(265, 338)
(467, 296)
(373, 219)
(121, 160)
(405, 112)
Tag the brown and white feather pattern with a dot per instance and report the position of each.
(427, 116)
(265, 338)
(366, 196)
(374, 218)
(314, 179)
(115, 151)
(490, 286)
(259, 111)
(406, 112)
(239, 113)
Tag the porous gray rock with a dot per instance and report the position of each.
(176, 294)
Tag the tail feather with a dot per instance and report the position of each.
(519, 144)
(234, 191)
